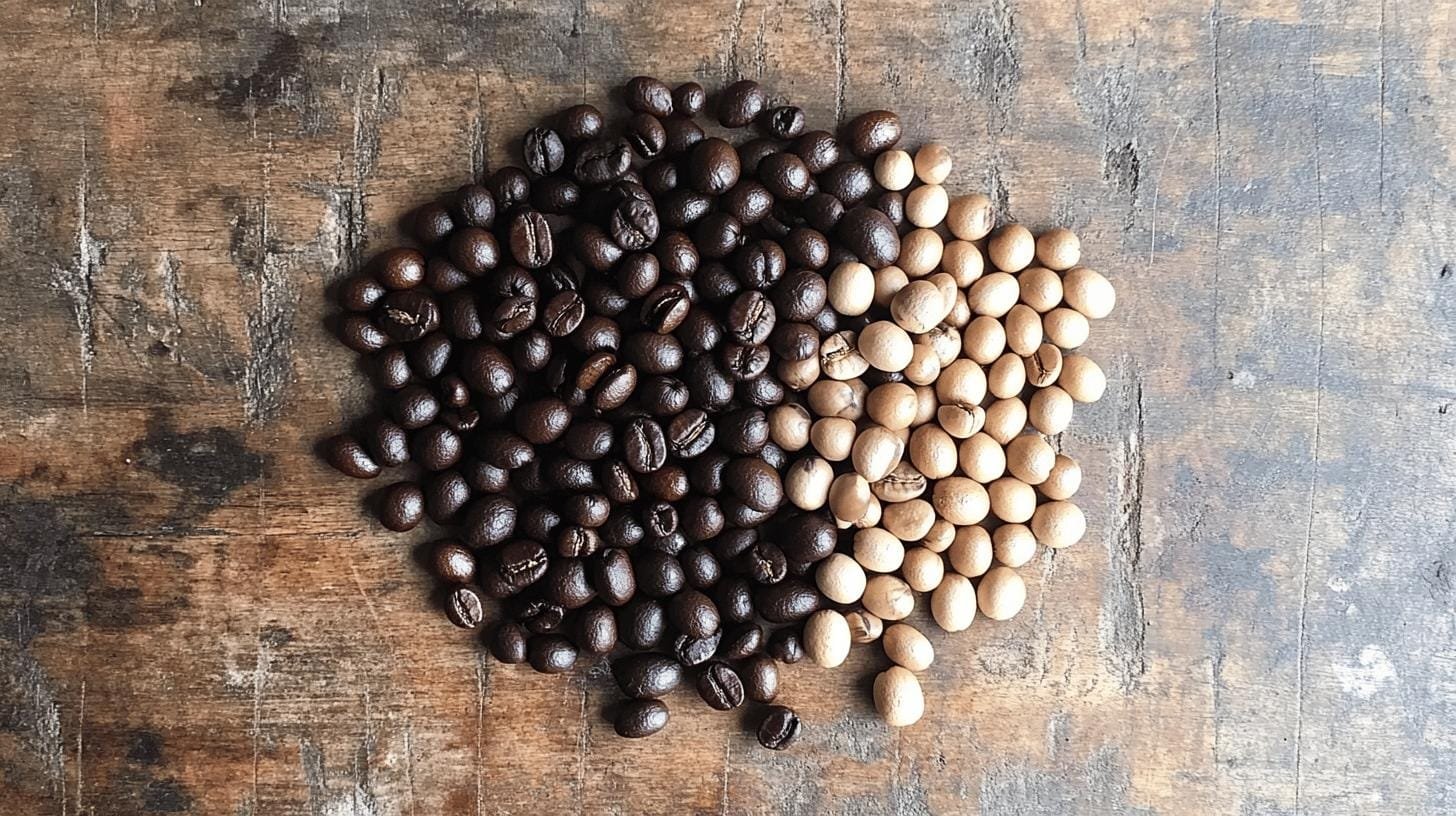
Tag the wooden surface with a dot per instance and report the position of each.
(196, 617)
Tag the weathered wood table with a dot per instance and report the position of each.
(196, 616)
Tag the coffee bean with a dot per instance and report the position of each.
(850, 183)
(401, 506)
(720, 687)
(531, 243)
(665, 308)
(361, 335)
(766, 563)
(543, 150)
(566, 583)
(614, 388)
(575, 541)
(689, 99)
(713, 168)
(779, 728)
(690, 433)
(539, 616)
(668, 483)
(785, 122)
(452, 563)
(740, 103)
(350, 458)
(718, 235)
(613, 576)
(622, 529)
(785, 176)
(602, 161)
(751, 318)
(474, 251)
(676, 255)
(641, 718)
(431, 223)
(646, 134)
(764, 391)
(504, 449)
(760, 678)
(463, 607)
(693, 613)
(658, 574)
(618, 482)
(691, 651)
(489, 521)
(632, 220)
(700, 331)
(564, 312)
(399, 268)
(786, 601)
(744, 432)
(595, 630)
(806, 247)
(653, 353)
(641, 624)
(755, 483)
(818, 149)
(486, 369)
(557, 195)
(647, 676)
(509, 186)
(708, 386)
(428, 358)
(508, 642)
(648, 95)
(461, 316)
(743, 641)
(473, 206)
(800, 295)
(360, 294)
(521, 563)
(579, 123)
(644, 445)
(551, 654)
(734, 596)
(387, 442)
(785, 646)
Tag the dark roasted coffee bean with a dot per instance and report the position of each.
(693, 613)
(632, 220)
(850, 182)
(744, 432)
(819, 150)
(870, 235)
(508, 642)
(551, 654)
(347, 455)
(706, 472)
(785, 176)
(453, 391)
(779, 729)
(754, 151)
(807, 537)
(799, 296)
(646, 134)
(668, 483)
(613, 576)
(531, 243)
(473, 206)
(464, 608)
(431, 223)
(510, 186)
(665, 308)
(436, 447)
(361, 335)
(700, 567)
(760, 264)
(531, 350)
(760, 678)
(751, 318)
(521, 563)
(713, 167)
(474, 251)
(484, 477)
(644, 445)
(734, 543)
(543, 151)
(487, 369)
(579, 123)
(647, 676)
(661, 177)
(786, 601)
(563, 314)
(494, 410)
(743, 641)
(660, 518)
(702, 518)
(774, 228)
(489, 521)
(618, 481)
(663, 396)
(676, 255)
(708, 386)
(445, 495)
(646, 94)
(428, 357)
(739, 514)
(529, 477)
(641, 624)
(538, 521)
(691, 651)
(872, 132)
(748, 201)
(700, 332)
(566, 583)
(806, 247)
(785, 646)
(399, 268)
(763, 391)
(637, 274)
(826, 321)
(601, 299)
(511, 317)
(795, 341)
(740, 103)
(540, 616)
(715, 283)
(614, 388)
(360, 294)
(387, 442)
(588, 439)
(595, 630)
(689, 99)
(776, 457)
(658, 574)
(822, 211)
(680, 208)
(892, 204)
(570, 474)
(765, 563)
(504, 449)
(718, 235)
(461, 316)
(670, 544)
(681, 134)
(690, 433)
(653, 353)
(414, 407)
(557, 195)
(602, 161)
(586, 509)
(720, 686)
(512, 281)
(595, 247)
(744, 363)
(575, 541)
(622, 528)
(785, 122)
(640, 718)
(597, 333)
(735, 599)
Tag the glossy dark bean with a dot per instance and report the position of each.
(760, 678)
(700, 331)
(739, 514)
(681, 135)
(360, 294)
(806, 247)
(446, 494)
(538, 521)
(743, 641)
(663, 396)
(646, 134)
(785, 176)
(494, 410)
(463, 607)
(740, 103)
(713, 167)
(510, 186)
(786, 122)
(622, 528)
(682, 208)
(822, 211)
(720, 687)
(870, 235)
(528, 477)
(452, 563)
(665, 308)
(715, 283)
(551, 654)
(637, 274)
(800, 295)
(693, 613)
(575, 541)
(826, 321)
(668, 483)
(429, 356)
(760, 264)
(689, 99)
(692, 651)
(690, 433)
(531, 243)
(785, 646)
(399, 268)
(349, 457)
(779, 729)
(718, 235)
(474, 251)
(700, 567)
(461, 316)
(504, 449)
(765, 563)
(487, 369)
(734, 596)
(644, 445)
(508, 642)
(557, 195)
(660, 518)
(414, 407)
(473, 206)
(763, 391)
(542, 421)
(489, 521)
(484, 477)
(653, 353)
(661, 176)
(708, 386)
(566, 583)
(543, 151)
(431, 223)
(807, 537)
(640, 718)
(579, 123)
(658, 574)
(647, 676)
(702, 518)
(850, 182)
(751, 318)
(795, 341)
(872, 131)
(618, 481)
(387, 442)
(521, 563)
(436, 447)
(677, 255)
(744, 432)
(786, 601)
(360, 334)
(641, 624)
(819, 150)
(602, 161)
(613, 576)
(648, 95)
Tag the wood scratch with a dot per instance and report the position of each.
(80, 753)
(583, 747)
(1217, 173)
(1122, 630)
(78, 282)
(1162, 168)
(841, 60)
(259, 670)
(727, 769)
(479, 134)
(735, 33)
(368, 602)
(409, 762)
(1380, 142)
(479, 736)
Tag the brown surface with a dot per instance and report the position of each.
(196, 617)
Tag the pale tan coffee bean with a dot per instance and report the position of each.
(993, 294)
(788, 426)
(1088, 292)
(906, 646)
(961, 383)
(982, 458)
(927, 206)
(886, 346)
(1030, 458)
(908, 520)
(970, 553)
(960, 500)
(1013, 544)
(863, 626)
(946, 340)
(925, 405)
(827, 638)
(1059, 524)
(889, 281)
(898, 697)
(1005, 419)
(961, 422)
(946, 285)
(839, 356)
(832, 437)
(1043, 366)
(984, 340)
(875, 452)
(932, 451)
(796, 375)
(1068, 328)
(920, 252)
(932, 163)
(894, 170)
(953, 603)
(1041, 288)
(922, 569)
(872, 513)
(1023, 329)
(832, 398)
(960, 312)
(1063, 480)
(1050, 410)
(971, 217)
(806, 483)
(962, 260)
(1012, 500)
(849, 497)
(1001, 593)
(1082, 378)
(941, 534)
(924, 365)
(889, 598)
(1006, 377)
(918, 307)
(841, 579)
(902, 484)
(891, 405)
(1011, 248)
(1058, 248)
(852, 288)
(878, 550)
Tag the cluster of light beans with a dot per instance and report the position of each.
(924, 431)
(596, 370)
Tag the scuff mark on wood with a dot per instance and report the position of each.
(78, 281)
(268, 369)
(841, 59)
(1099, 785)
(1123, 628)
(992, 60)
(731, 69)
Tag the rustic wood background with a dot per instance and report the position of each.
(196, 617)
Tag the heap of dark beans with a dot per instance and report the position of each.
(576, 362)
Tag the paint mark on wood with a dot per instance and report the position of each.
(1122, 631)
(1370, 672)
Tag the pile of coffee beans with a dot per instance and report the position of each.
(598, 370)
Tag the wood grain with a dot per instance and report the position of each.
(196, 616)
